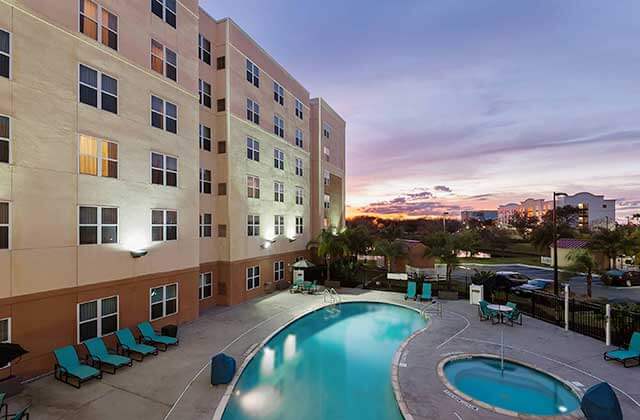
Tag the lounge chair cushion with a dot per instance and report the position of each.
(99, 351)
(163, 339)
(82, 372)
(148, 333)
(142, 348)
(623, 354)
(67, 357)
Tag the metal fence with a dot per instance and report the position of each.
(623, 324)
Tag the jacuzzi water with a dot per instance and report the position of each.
(334, 363)
(519, 388)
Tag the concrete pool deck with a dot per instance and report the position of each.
(175, 384)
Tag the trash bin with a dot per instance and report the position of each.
(170, 330)
(223, 368)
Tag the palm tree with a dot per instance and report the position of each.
(356, 240)
(610, 242)
(390, 250)
(582, 261)
(443, 247)
(329, 246)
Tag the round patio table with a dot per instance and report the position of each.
(502, 310)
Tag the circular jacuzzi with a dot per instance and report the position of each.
(510, 388)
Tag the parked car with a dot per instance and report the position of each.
(631, 278)
(534, 285)
(510, 279)
(621, 278)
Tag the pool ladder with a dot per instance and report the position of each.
(434, 308)
(331, 296)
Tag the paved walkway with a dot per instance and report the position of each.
(573, 357)
(175, 384)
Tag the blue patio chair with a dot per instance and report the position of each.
(411, 291)
(623, 355)
(20, 415)
(426, 292)
(127, 345)
(515, 316)
(101, 358)
(487, 314)
(68, 366)
(297, 286)
(149, 335)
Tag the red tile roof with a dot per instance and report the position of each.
(572, 243)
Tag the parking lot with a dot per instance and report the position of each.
(578, 284)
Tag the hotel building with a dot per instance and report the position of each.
(154, 161)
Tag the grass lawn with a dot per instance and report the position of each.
(529, 260)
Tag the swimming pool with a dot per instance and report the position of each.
(332, 363)
(518, 388)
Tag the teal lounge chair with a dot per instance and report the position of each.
(68, 366)
(150, 336)
(411, 291)
(127, 344)
(515, 316)
(297, 286)
(20, 415)
(426, 292)
(101, 358)
(309, 287)
(623, 355)
(487, 314)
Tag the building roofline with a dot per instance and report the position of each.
(323, 101)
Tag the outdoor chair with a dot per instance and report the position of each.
(128, 346)
(20, 415)
(411, 291)
(623, 355)
(149, 335)
(3, 404)
(515, 316)
(68, 366)
(102, 359)
(309, 287)
(487, 314)
(426, 292)
(297, 286)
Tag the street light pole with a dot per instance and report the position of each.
(444, 221)
(556, 288)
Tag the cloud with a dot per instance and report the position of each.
(416, 203)
(442, 188)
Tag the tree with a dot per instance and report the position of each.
(329, 247)
(390, 250)
(467, 241)
(523, 224)
(357, 241)
(582, 261)
(495, 238)
(611, 242)
(542, 235)
(442, 246)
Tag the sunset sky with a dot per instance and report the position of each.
(467, 104)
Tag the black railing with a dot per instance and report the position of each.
(623, 324)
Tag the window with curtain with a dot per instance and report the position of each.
(97, 225)
(98, 23)
(164, 225)
(98, 157)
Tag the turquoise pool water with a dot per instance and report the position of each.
(519, 388)
(334, 363)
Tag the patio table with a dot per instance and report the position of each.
(501, 309)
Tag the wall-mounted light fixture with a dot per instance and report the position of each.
(293, 239)
(267, 244)
(138, 253)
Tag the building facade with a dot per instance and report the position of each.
(478, 215)
(153, 162)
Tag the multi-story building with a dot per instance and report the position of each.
(478, 215)
(153, 162)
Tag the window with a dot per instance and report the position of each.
(4, 225)
(299, 225)
(326, 130)
(278, 159)
(164, 170)
(299, 196)
(98, 90)
(278, 93)
(220, 105)
(278, 190)
(278, 225)
(204, 89)
(5, 330)
(98, 23)
(299, 112)
(164, 60)
(164, 115)
(278, 126)
(205, 181)
(205, 289)
(278, 271)
(253, 277)
(205, 225)
(299, 167)
(253, 225)
(165, 10)
(327, 154)
(5, 136)
(97, 225)
(205, 138)
(5, 54)
(253, 74)
(204, 49)
(327, 178)
(299, 138)
(97, 318)
(220, 63)
(98, 157)
(327, 201)
(253, 149)
(222, 188)
(222, 231)
(253, 111)
(163, 301)
(164, 225)
(253, 186)
(222, 147)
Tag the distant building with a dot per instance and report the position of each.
(566, 246)
(478, 215)
(506, 213)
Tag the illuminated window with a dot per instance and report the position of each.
(163, 301)
(97, 318)
(299, 112)
(164, 225)
(253, 225)
(253, 111)
(98, 157)
(98, 90)
(205, 181)
(278, 192)
(205, 288)
(164, 60)
(97, 225)
(278, 159)
(5, 54)
(253, 186)
(164, 170)
(253, 74)
(253, 277)
(278, 93)
(98, 23)
(5, 139)
(278, 271)
(165, 10)
(205, 225)
(278, 225)
(204, 49)
(278, 126)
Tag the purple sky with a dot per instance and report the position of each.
(493, 101)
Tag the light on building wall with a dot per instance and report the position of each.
(293, 239)
(138, 253)
(267, 244)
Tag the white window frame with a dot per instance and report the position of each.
(278, 126)
(299, 138)
(299, 167)
(253, 111)
(164, 12)
(8, 139)
(327, 130)
(11, 53)
(278, 225)
(327, 177)
(278, 191)
(253, 146)
(278, 159)
(204, 182)
(164, 60)
(164, 300)
(99, 316)
(254, 277)
(202, 49)
(162, 113)
(254, 72)
(327, 201)
(165, 225)
(278, 93)
(253, 186)
(204, 137)
(7, 225)
(99, 157)
(99, 26)
(99, 224)
(299, 196)
(99, 90)
(164, 169)
(327, 153)
(203, 94)
(204, 225)
(278, 271)
(299, 109)
(204, 283)
(253, 225)
(299, 225)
